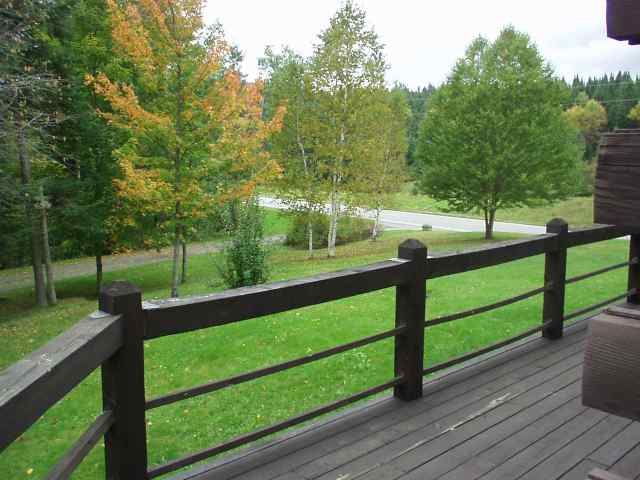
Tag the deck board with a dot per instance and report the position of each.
(514, 415)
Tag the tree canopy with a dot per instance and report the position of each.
(494, 135)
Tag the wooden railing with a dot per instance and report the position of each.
(113, 337)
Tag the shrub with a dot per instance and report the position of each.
(244, 260)
(350, 229)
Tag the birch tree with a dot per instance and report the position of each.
(347, 70)
(385, 154)
(301, 185)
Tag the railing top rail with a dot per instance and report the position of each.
(184, 315)
(31, 386)
(594, 234)
(489, 256)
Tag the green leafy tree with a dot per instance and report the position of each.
(385, 171)
(634, 114)
(495, 136)
(589, 117)
(301, 186)
(347, 71)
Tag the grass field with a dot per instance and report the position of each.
(578, 211)
(190, 359)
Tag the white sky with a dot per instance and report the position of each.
(423, 38)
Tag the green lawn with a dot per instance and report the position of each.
(578, 211)
(190, 359)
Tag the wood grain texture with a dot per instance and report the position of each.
(34, 384)
(617, 186)
(611, 364)
(66, 466)
(231, 306)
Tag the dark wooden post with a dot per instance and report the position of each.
(410, 312)
(555, 275)
(123, 386)
(634, 270)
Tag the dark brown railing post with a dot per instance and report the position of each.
(634, 269)
(410, 313)
(555, 276)
(123, 386)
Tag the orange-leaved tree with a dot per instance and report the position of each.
(196, 133)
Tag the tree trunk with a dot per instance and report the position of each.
(44, 228)
(183, 274)
(489, 220)
(333, 221)
(376, 225)
(36, 239)
(175, 274)
(310, 235)
(99, 269)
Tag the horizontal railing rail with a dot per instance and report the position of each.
(278, 427)
(89, 439)
(171, 317)
(34, 384)
(263, 372)
(113, 339)
(617, 266)
(487, 308)
(483, 351)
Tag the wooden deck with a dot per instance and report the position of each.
(515, 415)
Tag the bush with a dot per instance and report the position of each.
(245, 257)
(350, 229)
(585, 180)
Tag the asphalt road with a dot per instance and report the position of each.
(414, 221)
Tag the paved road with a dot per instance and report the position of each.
(414, 221)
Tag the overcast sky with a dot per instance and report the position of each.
(423, 38)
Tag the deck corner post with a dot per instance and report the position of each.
(634, 269)
(555, 276)
(410, 313)
(123, 386)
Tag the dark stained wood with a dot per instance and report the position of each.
(489, 256)
(82, 447)
(555, 276)
(617, 195)
(597, 306)
(487, 308)
(34, 384)
(579, 278)
(258, 434)
(410, 313)
(611, 365)
(447, 400)
(623, 20)
(123, 386)
(213, 386)
(597, 233)
(634, 269)
(482, 351)
(173, 317)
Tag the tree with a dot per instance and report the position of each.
(27, 111)
(385, 171)
(347, 69)
(589, 117)
(196, 130)
(495, 136)
(88, 211)
(634, 114)
(301, 184)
